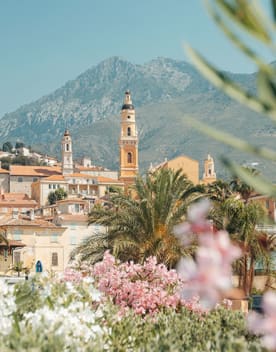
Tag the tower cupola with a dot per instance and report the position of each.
(128, 142)
(67, 153)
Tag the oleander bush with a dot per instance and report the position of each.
(48, 313)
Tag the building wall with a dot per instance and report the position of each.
(189, 166)
(74, 234)
(4, 182)
(22, 184)
(43, 242)
(103, 173)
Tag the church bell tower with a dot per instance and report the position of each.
(128, 142)
(67, 154)
(209, 174)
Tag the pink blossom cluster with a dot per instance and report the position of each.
(265, 324)
(145, 288)
(209, 276)
(72, 275)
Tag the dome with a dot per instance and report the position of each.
(128, 107)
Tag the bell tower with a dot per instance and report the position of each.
(128, 142)
(67, 154)
(209, 174)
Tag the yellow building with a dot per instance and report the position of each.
(38, 240)
(190, 167)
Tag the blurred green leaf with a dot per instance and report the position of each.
(273, 5)
(220, 80)
(266, 88)
(225, 28)
(233, 141)
(259, 183)
(242, 13)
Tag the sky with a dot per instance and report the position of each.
(45, 43)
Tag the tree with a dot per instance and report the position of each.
(240, 220)
(243, 188)
(143, 226)
(58, 194)
(219, 190)
(19, 145)
(7, 147)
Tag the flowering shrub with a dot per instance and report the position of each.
(145, 288)
(49, 306)
(265, 324)
(209, 276)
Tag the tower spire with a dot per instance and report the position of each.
(67, 153)
(128, 142)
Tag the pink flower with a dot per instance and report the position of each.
(209, 276)
(265, 324)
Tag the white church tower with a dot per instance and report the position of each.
(67, 154)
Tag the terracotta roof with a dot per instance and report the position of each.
(81, 175)
(15, 196)
(9, 221)
(18, 203)
(102, 179)
(27, 170)
(4, 171)
(12, 243)
(75, 200)
(54, 178)
(74, 217)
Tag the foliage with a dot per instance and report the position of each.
(56, 195)
(18, 160)
(48, 313)
(147, 288)
(7, 147)
(245, 16)
(19, 145)
(142, 226)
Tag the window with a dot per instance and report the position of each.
(129, 158)
(16, 257)
(17, 235)
(129, 131)
(54, 186)
(20, 179)
(209, 172)
(54, 238)
(73, 240)
(128, 117)
(35, 179)
(50, 186)
(67, 147)
(73, 226)
(54, 259)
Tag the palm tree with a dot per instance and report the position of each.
(142, 225)
(219, 190)
(240, 220)
(243, 188)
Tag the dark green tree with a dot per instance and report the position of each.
(142, 225)
(7, 147)
(19, 145)
(58, 194)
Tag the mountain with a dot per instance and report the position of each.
(164, 91)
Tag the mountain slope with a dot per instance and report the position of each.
(164, 93)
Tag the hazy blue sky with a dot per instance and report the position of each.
(44, 43)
